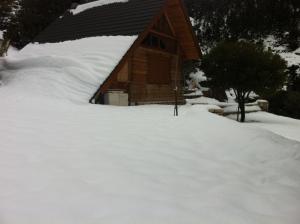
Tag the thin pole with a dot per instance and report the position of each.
(176, 102)
(176, 87)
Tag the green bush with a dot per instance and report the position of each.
(244, 67)
(286, 103)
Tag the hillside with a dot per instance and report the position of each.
(66, 161)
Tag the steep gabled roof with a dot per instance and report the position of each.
(124, 18)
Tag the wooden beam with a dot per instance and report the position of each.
(130, 78)
(170, 24)
(190, 27)
(162, 34)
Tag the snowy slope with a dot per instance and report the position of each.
(65, 161)
(70, 70)
(287, 127)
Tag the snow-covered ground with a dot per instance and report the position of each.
(74, 163)
(284, 126)
(65, 161)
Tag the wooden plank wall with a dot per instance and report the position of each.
(142, 92)
(183, 29)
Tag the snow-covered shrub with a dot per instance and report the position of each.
(195, 80)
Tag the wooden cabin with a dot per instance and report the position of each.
(150, 71)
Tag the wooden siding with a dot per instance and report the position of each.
(159, 67)
(120, 81)
(141, 91)
(163, 26)
(183, 30)
(123, 73)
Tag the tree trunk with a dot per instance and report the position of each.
(238, 113)
(241, 105)
(243, 112)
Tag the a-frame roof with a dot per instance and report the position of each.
(124, 18)
(121, 18)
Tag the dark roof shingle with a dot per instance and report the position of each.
(129, 18)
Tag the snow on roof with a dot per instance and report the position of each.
(83, 7)
(72, 70)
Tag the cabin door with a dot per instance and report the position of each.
(159, 69)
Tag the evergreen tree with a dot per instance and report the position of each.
(293, 83)
(7, 10)
(285, 103)
(246, 68)
(33, 17)
(219, 20)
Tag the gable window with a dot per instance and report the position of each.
(154, 42)
(160, 43)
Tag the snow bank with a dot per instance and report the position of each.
(229, 107)
(1, 34)
(69, 70)
(203, 100)
(67, 163)
(83, 7)
(234, 109)
(12, 51)
(284, 126)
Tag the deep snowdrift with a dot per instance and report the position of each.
(70, 70)
(65, 161)
(284, 126)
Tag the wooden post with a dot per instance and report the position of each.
(175, 85)
(176, 102)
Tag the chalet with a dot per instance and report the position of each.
(150, 69)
